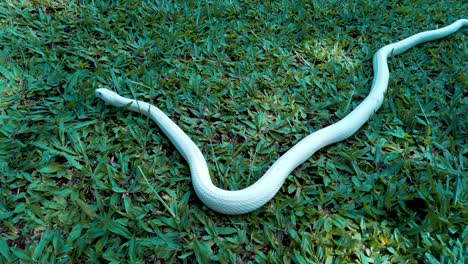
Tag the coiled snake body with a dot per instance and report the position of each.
(256, 195)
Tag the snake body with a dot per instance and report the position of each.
(259, 193)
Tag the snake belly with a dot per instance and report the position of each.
(248, 199)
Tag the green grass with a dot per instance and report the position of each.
(84, 182)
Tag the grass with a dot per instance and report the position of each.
(84, 182)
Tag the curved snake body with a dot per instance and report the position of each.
(256, 195)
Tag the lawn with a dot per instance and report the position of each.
(84, 182)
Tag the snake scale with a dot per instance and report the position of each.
(259, 193)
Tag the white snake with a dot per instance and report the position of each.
(259, 193)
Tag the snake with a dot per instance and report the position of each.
(236, 202)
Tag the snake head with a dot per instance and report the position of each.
(111, 97)
(103, 93)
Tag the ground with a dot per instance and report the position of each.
(84, 182)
